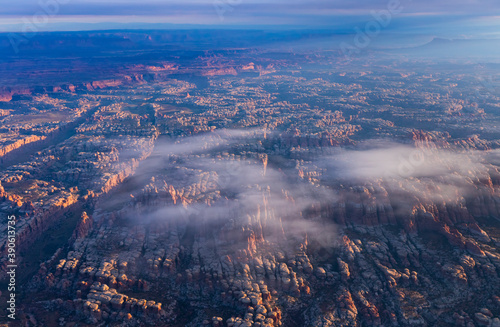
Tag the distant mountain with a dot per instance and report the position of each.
(92, 42)
(456, 48)
(437, 41)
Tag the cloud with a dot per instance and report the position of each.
(318, 13)
(206, 142)
(257, 7)
(243, 191)
(427, 173)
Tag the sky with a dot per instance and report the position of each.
(467, 18)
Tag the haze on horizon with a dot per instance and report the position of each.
(444, 18)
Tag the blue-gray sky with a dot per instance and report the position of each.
(466, 18)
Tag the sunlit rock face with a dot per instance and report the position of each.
(249, 187)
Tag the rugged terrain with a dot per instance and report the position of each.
(251, 187)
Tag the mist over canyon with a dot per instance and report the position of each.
(173, 178)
